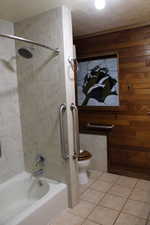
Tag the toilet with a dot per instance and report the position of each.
(84, 160)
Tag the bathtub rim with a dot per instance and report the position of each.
(37, 204)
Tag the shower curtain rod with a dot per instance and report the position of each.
(29, 41)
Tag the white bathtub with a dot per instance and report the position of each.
(24, 202)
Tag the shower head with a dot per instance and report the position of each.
(25, 53)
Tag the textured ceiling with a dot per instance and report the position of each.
(86, 19)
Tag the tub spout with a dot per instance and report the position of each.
(38, 173)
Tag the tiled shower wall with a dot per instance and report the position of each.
(42, 90)
(11, 160)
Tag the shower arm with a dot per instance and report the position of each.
(29, 42)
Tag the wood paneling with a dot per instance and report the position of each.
(129, 141)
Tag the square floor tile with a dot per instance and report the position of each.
(127, 182)
(84, 187)
(94, 174)
(120, 191)
(88, 222)
(67, 219)
(113, 202)
(92, 196)
(143, 185)
(109, 177)
(136, 208)
(140, 195)
(103, 216)
(100, 185)
(126, 219)
(82, 209)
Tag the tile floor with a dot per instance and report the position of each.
(110, 199)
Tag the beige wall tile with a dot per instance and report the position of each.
(45, 82)
(41, 91)
(11, 161)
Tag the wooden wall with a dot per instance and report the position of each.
(129, 142)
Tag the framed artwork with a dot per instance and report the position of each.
(98, 82)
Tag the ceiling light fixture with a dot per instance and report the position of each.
(100, 4)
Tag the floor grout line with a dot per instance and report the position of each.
(107, 192)
(95, 205)
(125, 203)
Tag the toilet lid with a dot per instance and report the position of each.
(84, 155)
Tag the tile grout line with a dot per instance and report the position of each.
(91, 183)
(147, 219)
(126, 202)
(84, 219)
(89, 202)
(97, 204)
(105, 193)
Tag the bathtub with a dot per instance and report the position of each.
(26, 201)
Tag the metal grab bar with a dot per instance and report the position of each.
(29, 42)
(62, 109)
(100, 126)
(76, 131)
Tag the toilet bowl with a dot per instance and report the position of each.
(84, 160)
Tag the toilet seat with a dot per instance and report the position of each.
(84, 155)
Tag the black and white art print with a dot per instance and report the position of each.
(97, 82)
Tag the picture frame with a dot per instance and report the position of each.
(97, 82)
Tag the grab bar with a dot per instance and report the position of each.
(100, 126)
(76, 131)
(62, 109)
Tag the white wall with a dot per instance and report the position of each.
(97, 145)
(11, 161)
